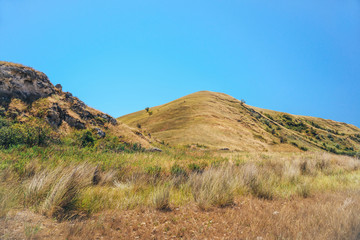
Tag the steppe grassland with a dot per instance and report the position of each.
(63, 181)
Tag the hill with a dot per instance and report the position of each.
(218, 121)
(27, 95)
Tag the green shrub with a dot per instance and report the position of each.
(4, 122)
(287, 117)
(12, 134)
(178, 171)
(304, 148)
(87, 139)
(154, 171)
(194, 167)
(136, 147)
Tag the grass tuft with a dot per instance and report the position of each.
(160, 198)
(214, 187)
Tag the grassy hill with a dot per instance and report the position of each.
(216, 121)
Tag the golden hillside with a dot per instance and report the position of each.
(217, 121)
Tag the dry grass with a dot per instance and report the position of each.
(214, 187)
(65, 190)
(211, 120)
(160, 198)
(330, 216)
(69, 187)
(231, 185)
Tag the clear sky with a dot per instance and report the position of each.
(296, 56)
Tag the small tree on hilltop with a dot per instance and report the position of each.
(147, 109)
(242, 101)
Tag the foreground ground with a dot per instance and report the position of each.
(327, 216)
(66, 192)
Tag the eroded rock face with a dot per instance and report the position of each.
(17, 81)
(29, 85)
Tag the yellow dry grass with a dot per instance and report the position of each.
(216, 120)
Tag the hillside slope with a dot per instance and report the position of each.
(216, 120)
(27, 94)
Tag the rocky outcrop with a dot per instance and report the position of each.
(27, 95)
(17, 81)
(29, 85)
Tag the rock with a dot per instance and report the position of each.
(28, 85)
(73, 122)
(17, 81)
(79, 108)
(154, 149)
(99, 133)
(58, 86)
(109, 119)
(224, 149)
(55, 115)
(68, 95)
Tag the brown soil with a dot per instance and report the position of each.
(327, 216)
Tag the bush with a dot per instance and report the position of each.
(4, 122)
(283, 139)
(136, 147)
(12, 134)
(86, 139)
(154, 171)
(194, 167)
(304, 148)
(178, 171)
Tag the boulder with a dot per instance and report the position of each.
(225, 149)
(59, 87)
(17, 81)
(99, 132)
(154, 149)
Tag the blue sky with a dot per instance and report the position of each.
(301, 56)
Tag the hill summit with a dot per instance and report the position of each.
(218, 121)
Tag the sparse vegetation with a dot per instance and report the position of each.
(65, 181)
(84, 174)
